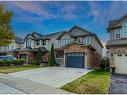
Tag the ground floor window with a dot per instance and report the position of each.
(23, 56)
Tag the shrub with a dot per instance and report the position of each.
(22, 61)
(1, 63)
(7, 62)
(52, 61)
(16, 62)
(38, 57)
(104, 65)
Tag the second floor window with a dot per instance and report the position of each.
(87, 40)
(38, 42)
(75, 39)
(28, 42)
(125, 32)
(65, 41)
(6, 48)
(117, 33)
(44, 42)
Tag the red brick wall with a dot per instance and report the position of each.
(31, 56)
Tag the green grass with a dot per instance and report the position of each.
(94, 82)
(12, 69)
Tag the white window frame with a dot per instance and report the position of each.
(28, 42)
(43, 42)
(88, 40)
(117, 32)
(65, 41)
(124, 30)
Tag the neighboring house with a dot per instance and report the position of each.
(13, 48)
(74, 48)
(117, 45)
(34, 40)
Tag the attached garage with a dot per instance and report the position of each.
(120, 61)
(75, 60)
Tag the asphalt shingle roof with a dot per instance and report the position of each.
(19, 40)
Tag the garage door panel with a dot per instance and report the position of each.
(75, 60)
(121, 63)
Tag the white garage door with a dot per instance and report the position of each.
(121, 63)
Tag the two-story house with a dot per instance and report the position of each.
(13, 48)
(79, 48)
(117, 45)
(34, 40)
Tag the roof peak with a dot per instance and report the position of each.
(115, 21)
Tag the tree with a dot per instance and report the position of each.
(6, 34)
(52, 60)
(38, 57)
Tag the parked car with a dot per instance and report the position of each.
(7, 58)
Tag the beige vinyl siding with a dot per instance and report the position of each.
(53, 40)
(96, 45)
(112, 35)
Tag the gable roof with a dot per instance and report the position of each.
(19, 40)
(112, 23)
(75, 33)
(72, 32)
(34, 35)
(49, 36)
(82, 31)
(63, 34)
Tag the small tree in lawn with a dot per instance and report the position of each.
(38, 57)
(52, 61)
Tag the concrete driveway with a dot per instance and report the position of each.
(118, 84)
(5, 89)
(52, 76)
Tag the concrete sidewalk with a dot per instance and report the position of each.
(28, 86)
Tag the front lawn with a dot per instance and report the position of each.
(12, 69)
(91, 83)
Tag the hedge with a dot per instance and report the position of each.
(12, 62)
